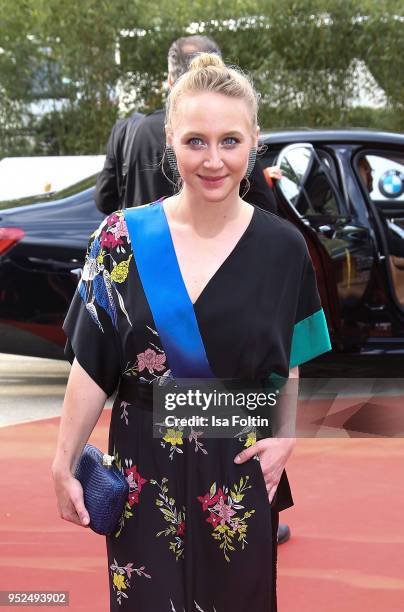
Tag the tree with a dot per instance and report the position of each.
(64, 55)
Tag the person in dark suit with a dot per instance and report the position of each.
(135, 172)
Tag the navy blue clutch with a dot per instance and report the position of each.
(105, 489)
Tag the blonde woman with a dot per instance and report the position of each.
(198, 284)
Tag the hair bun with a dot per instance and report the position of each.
(204, 60)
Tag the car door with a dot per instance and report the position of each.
(340, 243)
(381, 174)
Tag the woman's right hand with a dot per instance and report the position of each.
(70, 500)
(82, 406)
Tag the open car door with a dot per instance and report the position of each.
(341, 247)
(381, 174)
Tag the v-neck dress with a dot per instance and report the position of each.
(197, 532)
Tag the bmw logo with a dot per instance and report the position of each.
(391, 184)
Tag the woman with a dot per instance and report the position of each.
(199, 527)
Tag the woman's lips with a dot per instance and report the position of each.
(212, 180)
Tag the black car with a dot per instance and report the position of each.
(343, 189)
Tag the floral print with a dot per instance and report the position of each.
(124, 413)
(249, 435)
(102, 272)
(135, 482)
(197, 608)
(176, 520)
(119, 273)
(121, 577)
(175, 437)
(222, 506)
(223, 523)
(151, 361)
(194, 437)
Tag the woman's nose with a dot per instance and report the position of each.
(213, 158)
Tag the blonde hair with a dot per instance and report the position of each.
(208, 72)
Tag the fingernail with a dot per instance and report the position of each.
(85, 520)
(237, 459)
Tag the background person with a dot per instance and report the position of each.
(135, 148)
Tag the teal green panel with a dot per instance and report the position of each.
(310, 339)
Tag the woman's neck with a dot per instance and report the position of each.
(206, 218)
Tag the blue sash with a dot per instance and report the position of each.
(165, 291)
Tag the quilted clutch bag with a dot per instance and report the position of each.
(105, 489)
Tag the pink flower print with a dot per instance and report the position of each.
(120, 229)
(223, 517)
(150, 360)
(224, 511)
(112, 219)
(181, 528)
(109, 240)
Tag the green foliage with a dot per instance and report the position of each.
(302, 55)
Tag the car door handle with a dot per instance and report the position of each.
(375, 307)
(327, 230)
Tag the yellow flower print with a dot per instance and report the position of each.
(100, 257)
(121, 578)
(120, 271)
(174, 436)
(251, 439)
(119, 581)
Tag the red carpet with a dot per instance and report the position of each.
(346, 552)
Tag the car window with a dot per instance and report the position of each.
(308, 181)
(383, 176)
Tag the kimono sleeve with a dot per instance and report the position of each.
(310, 332)
(91, 323)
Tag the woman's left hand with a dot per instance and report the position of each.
(273, 454)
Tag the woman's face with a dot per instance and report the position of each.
(212, 135)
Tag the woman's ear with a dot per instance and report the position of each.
(169, 135)
(257, 135)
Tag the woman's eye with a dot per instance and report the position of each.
(195, 141)
(230, 140)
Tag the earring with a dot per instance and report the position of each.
(172, 160)
(252, 156)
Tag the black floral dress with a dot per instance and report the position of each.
(198, 532)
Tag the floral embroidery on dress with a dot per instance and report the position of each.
(135, 482)
(222, 506)
(197, 608)
(175, 436)
(124, 413)
(97, 284)
(249, 435)
(151, 363)
(121, 577)
(176, 528)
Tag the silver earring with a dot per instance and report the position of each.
(252, 156)
(172, 160)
